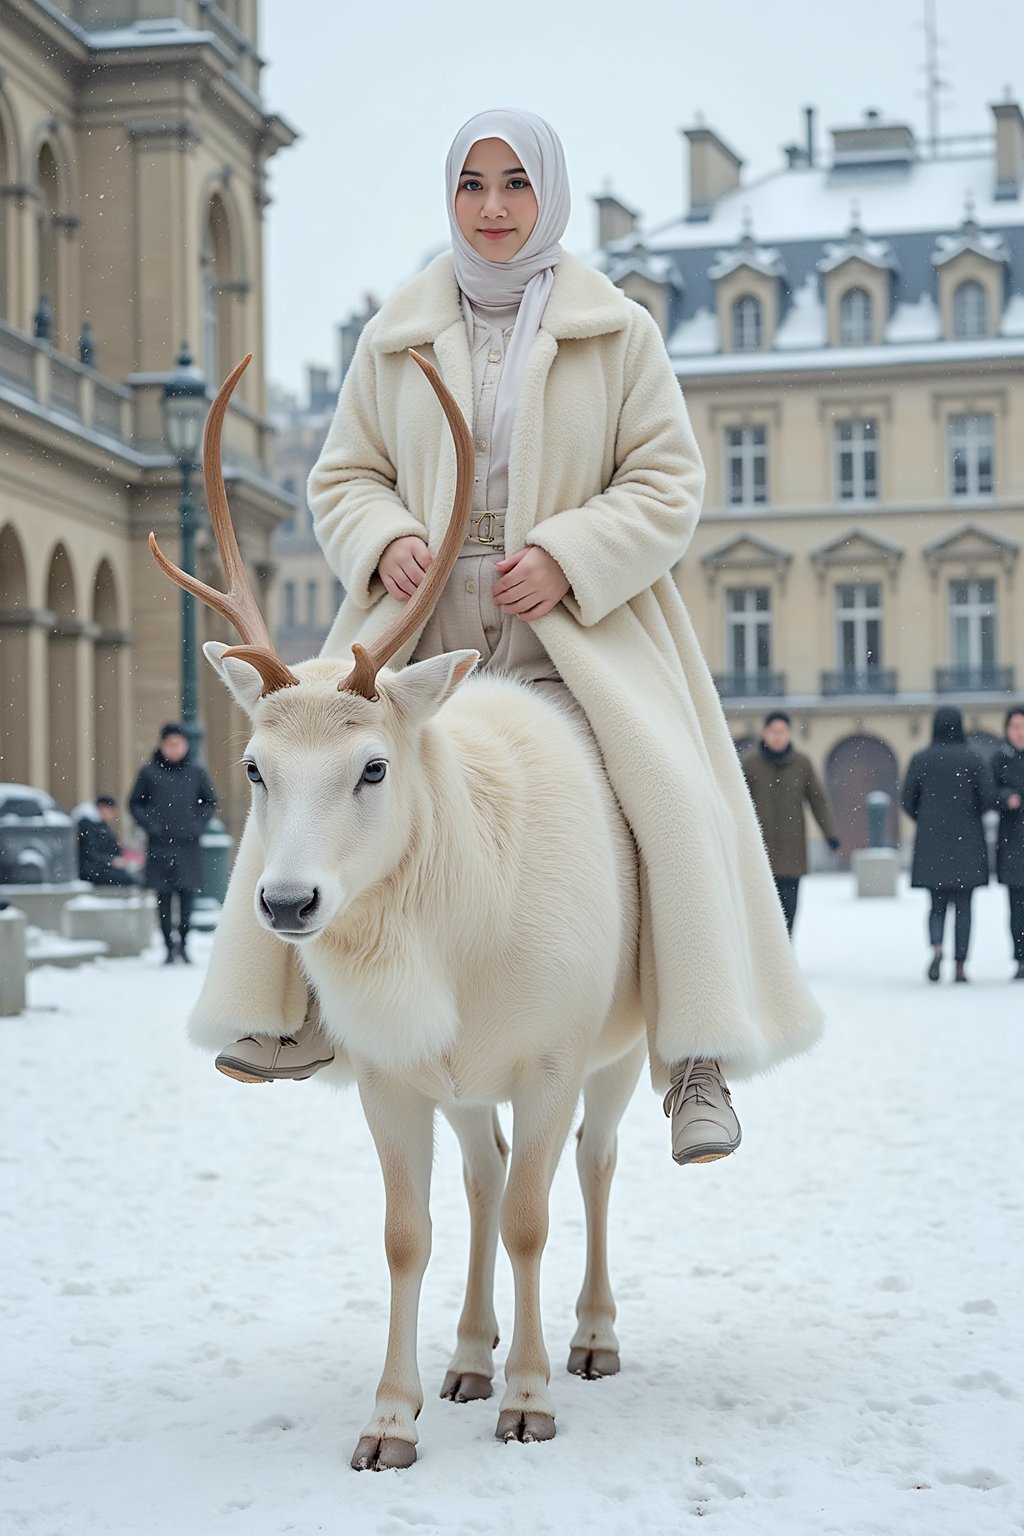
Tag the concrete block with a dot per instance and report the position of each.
(123, 924)
(13, 963)
(43, 904)
(875, 871)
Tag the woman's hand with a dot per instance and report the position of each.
(403, 566)
(531, 584)
(1013, 803)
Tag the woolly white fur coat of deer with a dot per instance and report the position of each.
(605, 475)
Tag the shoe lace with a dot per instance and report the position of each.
(258, 1040)
(695, 1082)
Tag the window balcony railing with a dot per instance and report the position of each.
(850, 681)
(750, 685)
(63, 387)
(984, 679)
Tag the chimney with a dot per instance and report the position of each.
(714, 170)
(809, 116)
(320, 396)
(1009, 148)
(614, 220)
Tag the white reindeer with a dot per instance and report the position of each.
(454, 876)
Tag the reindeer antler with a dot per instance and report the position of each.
(237, 605)
(363, 677)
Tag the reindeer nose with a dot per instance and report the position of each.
(290, 911)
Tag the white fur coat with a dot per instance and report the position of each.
(605, 475)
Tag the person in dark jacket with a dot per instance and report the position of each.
(172, 801)
(1008, 772)
(947, 791)
(101, 859)
(781, 782)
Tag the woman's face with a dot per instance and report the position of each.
(495, 206)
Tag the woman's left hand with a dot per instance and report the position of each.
(531, 584)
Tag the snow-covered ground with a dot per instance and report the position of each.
(819, 1335)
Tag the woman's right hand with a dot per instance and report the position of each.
(403, 566)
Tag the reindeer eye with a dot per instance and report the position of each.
(375, 772)
(253, 774)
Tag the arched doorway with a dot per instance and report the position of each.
(16, 690)
(855, 767)
(62, 682)
(106, 687)
(47, 231)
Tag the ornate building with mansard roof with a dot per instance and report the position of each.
(133, 151)
(849, 334)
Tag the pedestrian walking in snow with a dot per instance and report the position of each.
(588, 483)
(172, 801)
(101, 859)
(1008, 771)
(782, 781)
(947, 791)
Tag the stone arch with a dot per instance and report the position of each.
(17, 689)
(62, 683)
(108, 726)
(855, 767)
(52, 177)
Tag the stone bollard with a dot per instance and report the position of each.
(13, 964)
(123, 923)
(875, 871)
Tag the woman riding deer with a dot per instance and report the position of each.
(586, 489)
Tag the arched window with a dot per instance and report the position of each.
(219, 290)
(970, 310)
(47, 251)
(746, 324)
(19, 687)
(62, 680)
(106, 686)
(855, 322)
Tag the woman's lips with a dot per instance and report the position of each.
(495, 234)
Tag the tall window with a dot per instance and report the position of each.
(218, 262)
(859, 626)
(746, 324)
(971, 454)
(47, 276)
(746, 466)
(972, 619)
(856, 448)
(970, 310)
(311, 604)
(855, 328)
(748, 618)
(288, 604)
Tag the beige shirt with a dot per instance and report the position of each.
(490, 331)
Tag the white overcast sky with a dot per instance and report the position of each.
(377, 89)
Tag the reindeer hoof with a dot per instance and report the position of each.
(465, 1387)
(514, 1424)
(373, 1455)
(592, 1364)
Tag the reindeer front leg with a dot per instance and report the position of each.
(484, 1160)
(543, 1109)
(402, 1125)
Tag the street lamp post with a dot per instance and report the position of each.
(184, 404)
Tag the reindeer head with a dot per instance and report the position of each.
(338, 789)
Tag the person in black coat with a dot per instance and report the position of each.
(947, 791)
(1008, 772)
(101, 858)
(172, 801)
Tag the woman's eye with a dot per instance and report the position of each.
(374, 772)
(470, 186)
(518, 183)
(253, 774)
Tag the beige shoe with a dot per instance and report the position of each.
(704, 1123)
(263, 1059)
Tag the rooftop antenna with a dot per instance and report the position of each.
(934, 83)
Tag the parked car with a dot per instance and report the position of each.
(37, 839)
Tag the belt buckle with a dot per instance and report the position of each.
(488, 519)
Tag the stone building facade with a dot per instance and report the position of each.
(133, 153)
(849, 335)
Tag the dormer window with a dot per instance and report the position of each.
(746, 324)
(855, 318)
(970, 310)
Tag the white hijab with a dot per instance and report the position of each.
(526, 279)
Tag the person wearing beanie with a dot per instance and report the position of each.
(782, 781)
(946, 792)
(172, 801)
(1008, 772)
(587, 488)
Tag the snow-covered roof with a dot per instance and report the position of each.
(747, 253)
(812, 203)
(638, 259)
(804, 323)
(969, 238)
(857, 247)
(845, 359)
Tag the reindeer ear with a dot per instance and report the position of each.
(242, 680)
(420, 689)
